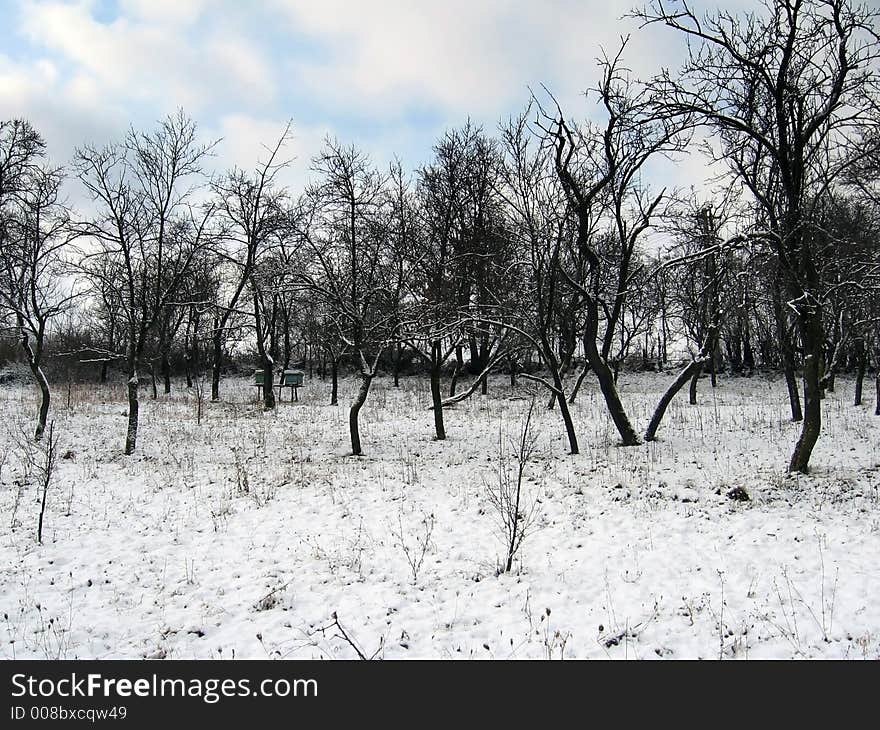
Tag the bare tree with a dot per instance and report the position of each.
(515, 509)
(536, 220)
(250, 207)
(145, 227)
(600, 171)
(789, 93)
(441, 257)
(342, 222)
(698, 264)
(34, 236)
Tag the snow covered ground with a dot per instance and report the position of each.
(243, 536)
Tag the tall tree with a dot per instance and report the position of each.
(789, 93)
(250, 209)
(146, 227)
(34, 237)
(599, 168)
(342, 222)
(537, 222)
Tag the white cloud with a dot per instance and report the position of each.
(67, 114)
(170, 12)
(471, 57)
(149, 56)
(387, 75)
(247, 140)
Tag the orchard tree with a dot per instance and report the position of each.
(790, 93)
(146, 230)
(34, 238)
(342, 222)
(599, 169)
(537, 222)
(441, 281)
(250, 210)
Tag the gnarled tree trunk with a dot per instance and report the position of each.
(354, 412)
(686, 374)
(811, 335)
(34, 358)
(605, 377)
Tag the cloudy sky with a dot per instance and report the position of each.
(388, 75)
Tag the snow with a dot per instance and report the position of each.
(243, 537)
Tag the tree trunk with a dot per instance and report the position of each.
(217, 344)
(748, 353)
(860, 381)
(566, 419)
(459, 364)
(695, 379)
(786, 354)
(606, 380)
(794, 396)
(577, 386)
(877, 392)
(133, 408)
(268, 367)
(104, 367)
(353, 425)
(187, 353)
(287, 348)
(563, 371)
(693, 368)
(615, 406)
(166, 374)
(34, 362)
(811, 335)
(44, 403)
(154, 391)
(436, 396)
(396, 365)
(552, 363)
(267, 362)
(334, 380)
(215, 380)
(474, 364)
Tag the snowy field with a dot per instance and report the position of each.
(243, 536)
